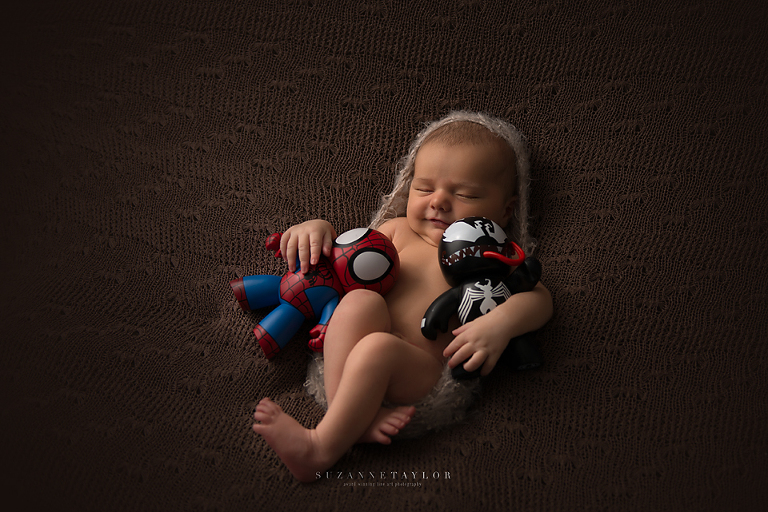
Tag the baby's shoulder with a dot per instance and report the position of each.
(394, 226)
(398, 231)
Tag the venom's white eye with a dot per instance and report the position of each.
(369, 266)
(471, 229)
(351, 236)
(458, 231)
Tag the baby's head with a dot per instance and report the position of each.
(479, 138)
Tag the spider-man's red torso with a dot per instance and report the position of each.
(294, 286)
(360, 258)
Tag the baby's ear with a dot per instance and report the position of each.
(509, 210)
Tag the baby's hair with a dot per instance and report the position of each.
(394, 204)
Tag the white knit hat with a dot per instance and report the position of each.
(394, 204)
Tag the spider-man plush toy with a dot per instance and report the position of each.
(360, 258)
(475, 258)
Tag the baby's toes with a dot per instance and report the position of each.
(404, 413)
(394, 423)
(381, 436)
(400, 420)
(391, 427)
(266, 411)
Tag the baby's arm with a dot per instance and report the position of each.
(484, 339)
(309, 240)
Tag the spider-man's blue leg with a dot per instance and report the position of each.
(277, 328)
(254, 292)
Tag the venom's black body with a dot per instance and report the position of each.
(480, 283)
(522, 352)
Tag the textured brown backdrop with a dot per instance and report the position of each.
(149, 147)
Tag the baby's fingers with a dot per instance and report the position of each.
(288, 250)
(475, 361)
(460, 354)
(328, 244)
(453, 346)
(305, 249)
(319, 246)
(460, 329)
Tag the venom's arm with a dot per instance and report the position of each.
(525, 276)
(439, 313)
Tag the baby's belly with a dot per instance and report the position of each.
(406, 323)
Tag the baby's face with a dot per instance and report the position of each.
(455, 181)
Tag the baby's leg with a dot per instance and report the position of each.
(380, 366)
(360, 313)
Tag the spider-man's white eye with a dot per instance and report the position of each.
(351, 236)
(370, 265)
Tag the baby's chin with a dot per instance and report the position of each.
(430, 231)
(434, 236)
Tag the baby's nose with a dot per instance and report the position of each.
(441, 201)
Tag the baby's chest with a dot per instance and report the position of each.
(421, 273)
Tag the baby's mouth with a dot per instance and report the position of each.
(439, 223)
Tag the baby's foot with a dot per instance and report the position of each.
(388, 422)
(292, 442)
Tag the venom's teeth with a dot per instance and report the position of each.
(474, 250)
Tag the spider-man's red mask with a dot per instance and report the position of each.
(365, 258)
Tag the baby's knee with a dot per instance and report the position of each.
(377, 348)
(360, 312)
(362, 302)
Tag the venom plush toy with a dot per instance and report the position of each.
(360, 258)
(475, 258)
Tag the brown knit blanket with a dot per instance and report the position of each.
(149, 147)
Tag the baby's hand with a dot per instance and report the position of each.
(479, 343)
(309, 240)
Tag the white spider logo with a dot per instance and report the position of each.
(481, 291)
